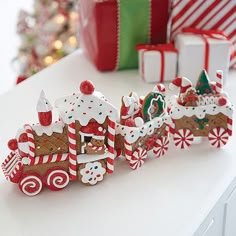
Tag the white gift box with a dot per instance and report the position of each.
(192, 51)
(157, 64)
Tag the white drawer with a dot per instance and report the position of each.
(230, 214)
(213, 225)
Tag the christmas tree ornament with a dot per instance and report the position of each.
(47, 34)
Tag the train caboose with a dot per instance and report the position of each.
(80, 146)
(203, 111)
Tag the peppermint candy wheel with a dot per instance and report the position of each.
(218, 137)
(31, 184)
(183, 138)
(161, 146)
(138, 158)
(56, 179)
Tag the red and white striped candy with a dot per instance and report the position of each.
(159, 88)
(138, 158)
(218, 137)
(72, 151)
(183, 138)
(229, 126)
(111, 145)
(31, 142)
(161, 146)
(219, 81)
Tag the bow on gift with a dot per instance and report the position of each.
(162, 48)
(132, 102)
(205, 34)
(169, 47)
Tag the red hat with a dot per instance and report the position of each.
(99, 134)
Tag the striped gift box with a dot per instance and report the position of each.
(207, 15)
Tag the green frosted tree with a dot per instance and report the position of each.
(203, 84)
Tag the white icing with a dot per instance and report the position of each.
(177, 111)
(56, 127)
(207, 100)
(132, 134)
(84, 107)
(92, 173)
(43, 104)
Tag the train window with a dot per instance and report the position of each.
(87, 139)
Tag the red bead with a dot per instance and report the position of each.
(222, 101)
(23, 138)
(130, 122)
(87, 87)
(12, 144)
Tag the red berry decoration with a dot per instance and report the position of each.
(222, 101)
(12, 144)
(130, 122)
(87, 87)
(23, 138)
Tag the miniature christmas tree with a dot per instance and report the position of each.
(203, 84)
(46, 35)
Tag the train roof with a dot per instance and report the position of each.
(84, 107)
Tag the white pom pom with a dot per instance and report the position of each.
(138, 121)
(100, 128)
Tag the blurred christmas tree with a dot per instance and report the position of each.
(46, 35)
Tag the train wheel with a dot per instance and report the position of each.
(218, 137)
(31, 184)
(161, 146)
(183, 138)
(92, 172)
(56, 179)
(138, 158)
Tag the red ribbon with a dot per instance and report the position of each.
(205, 34)
(162, 48)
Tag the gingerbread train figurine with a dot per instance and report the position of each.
(80, 146)
(200, 111)
(143, 127)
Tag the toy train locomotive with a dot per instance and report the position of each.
(83, 144)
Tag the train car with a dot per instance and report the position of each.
(143, 127)
(80, 146)
(203, 111)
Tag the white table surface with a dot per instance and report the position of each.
(167, 196)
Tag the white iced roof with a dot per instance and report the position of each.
(84, 107)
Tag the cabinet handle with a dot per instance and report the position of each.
(209, 226)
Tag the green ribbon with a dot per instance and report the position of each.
(134, 20)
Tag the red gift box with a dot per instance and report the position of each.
(110, 30)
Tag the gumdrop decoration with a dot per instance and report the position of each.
(87, 87)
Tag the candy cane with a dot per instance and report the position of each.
(49, 159)
(111, 143)
(72, 151)
(219, 81)
(29, 132)
(180, 82)
(128, 150)
(229, 126)
(159, 88)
